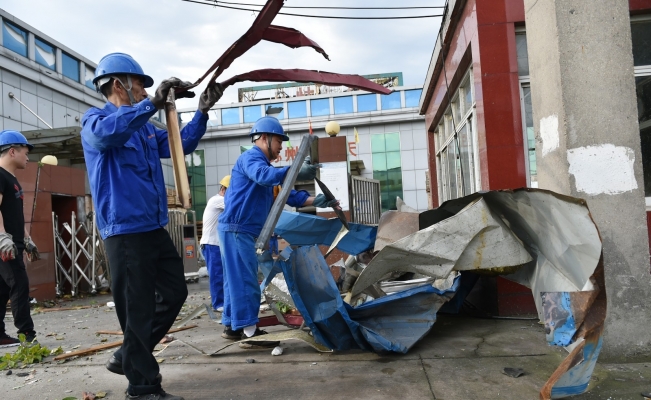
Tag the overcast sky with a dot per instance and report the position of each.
(177, 38)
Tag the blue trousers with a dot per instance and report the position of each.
(241, 289)
(213, 257)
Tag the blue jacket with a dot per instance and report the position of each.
(250, 194)
(123, 151)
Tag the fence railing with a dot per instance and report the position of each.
(366, 203)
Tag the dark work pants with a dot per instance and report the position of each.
(14, 285)
(149, 289)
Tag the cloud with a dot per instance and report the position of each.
(176, 38)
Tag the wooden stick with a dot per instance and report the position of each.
(173, 330)
(64, 309)
(89, 350)
(105, 346)
(176, 151)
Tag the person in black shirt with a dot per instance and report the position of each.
(14, 283)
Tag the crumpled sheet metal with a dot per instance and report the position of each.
(473, 239)
(291, 37)
(392, 323)
(301, 229)
(395, 225)
(308, 76)
(565, 274)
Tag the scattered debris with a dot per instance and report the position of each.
(88, 396)
(26, 353)
(250, 360)
(513, 372)
(277, 351)
(110, 304)
(105, 346)
(43, 310)
(160, 360)
(22, 374)
(167, 339)
(294, 334)
(203, 272)
(8, 372)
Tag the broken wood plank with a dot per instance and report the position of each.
(173, 330)
(100, 347)
(176, 151)
(64, 309)
(89, 350)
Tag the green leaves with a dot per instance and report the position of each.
(26, 353)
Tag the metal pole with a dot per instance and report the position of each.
(73, 255)
(12, 96)
(93, 253)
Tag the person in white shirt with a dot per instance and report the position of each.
(210, 245)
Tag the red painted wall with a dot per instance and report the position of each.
(484, 37)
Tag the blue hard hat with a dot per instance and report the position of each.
(10, 138)
(120, 64)
(268, 125)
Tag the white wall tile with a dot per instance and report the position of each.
(10, 78)
(364, 145)
(233, 154)
(222, 171)
(12, 124)
(59, 98)
(44, 107)
(30, 101)
(210, 156)
(211, 190)
(410, 198)
(407, 160)
(420, 179)
(420, 159)
(221, 154)
(211, 176)
(422, 200)
(406, 141)
(10, 108)
(58, 116)
(28, 86)
(408, 180)
(44, 92)
(420, 139)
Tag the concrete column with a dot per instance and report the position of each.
(588, 145)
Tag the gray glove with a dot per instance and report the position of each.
(8, 249)
(164, 89)
(320, 201)
(31, 250)
(210, 96)
(308, 170)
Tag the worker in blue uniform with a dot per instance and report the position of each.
(123, 151)
(249, 199)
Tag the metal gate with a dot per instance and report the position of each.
(177, 219)
(81, 258)
(366, 203)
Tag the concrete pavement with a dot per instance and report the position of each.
(461, 358)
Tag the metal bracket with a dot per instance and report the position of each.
(288, 184)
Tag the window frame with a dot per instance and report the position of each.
(446, 137)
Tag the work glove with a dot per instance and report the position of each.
(8, 249)
(307, 171)
(164, 89)
(210, 96)
(320, 201)
(31, 250)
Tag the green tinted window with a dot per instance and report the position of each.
(387, 167)
(377, 144)
(392, 141)
(197, 175)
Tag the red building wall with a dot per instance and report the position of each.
(483, 35)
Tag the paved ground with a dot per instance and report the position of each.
(461, 358)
